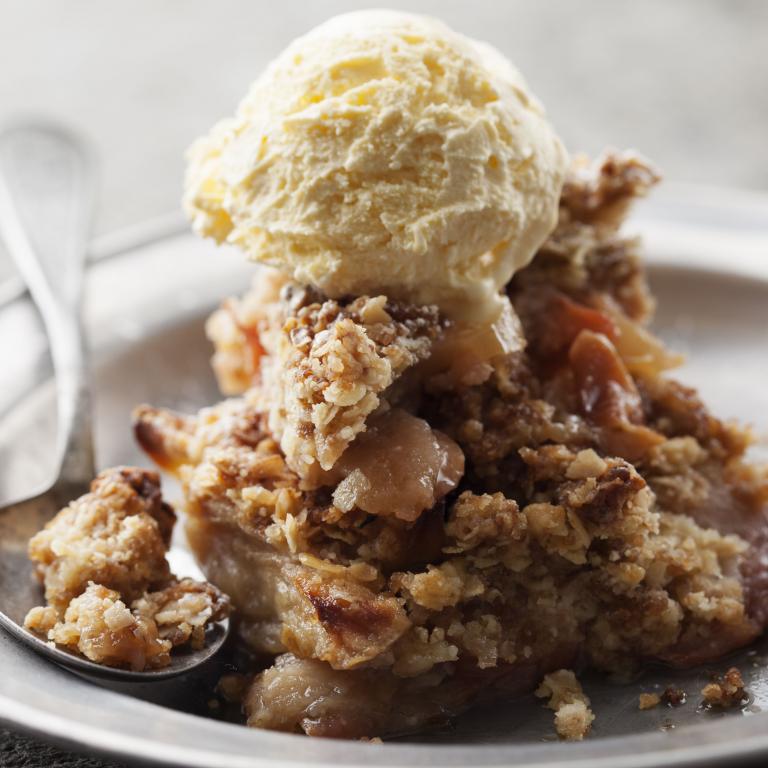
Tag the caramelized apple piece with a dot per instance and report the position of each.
(609, 397)
(163, 435)
(464, 353)
(643, 353)
(555, 320)
(252, 338)
(608, 393)
(243, 332)
(399, 467)
(339, 621)
(305, 695)
(565, 319)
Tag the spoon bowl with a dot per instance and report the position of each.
(20, 591)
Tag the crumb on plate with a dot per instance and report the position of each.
(649, 700)
(725, 691)
(573, 717)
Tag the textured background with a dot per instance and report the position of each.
(686, 82)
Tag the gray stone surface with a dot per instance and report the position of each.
(685, 82)
(20, 751)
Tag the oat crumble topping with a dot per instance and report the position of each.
(380, 524)
(109, 589)
(648, 700)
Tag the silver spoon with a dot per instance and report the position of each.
(46, 197)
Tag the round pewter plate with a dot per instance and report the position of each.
(708, 262)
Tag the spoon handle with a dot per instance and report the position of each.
(46, 195)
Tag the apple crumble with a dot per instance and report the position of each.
(453, 465)
(109, 590)
(407, 528)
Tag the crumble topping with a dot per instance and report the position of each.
(116, 535)
(322, 370)
(109, 589)
(671, 696)
(182, 611)
(103, 628)
(338, 361)
(586, 255)
(599, 192)
(409, 519)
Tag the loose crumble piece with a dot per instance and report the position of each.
(116, 535)
(573, 717)
(322, 364)
(110, 592)
(99, 625)
(725, 691)
(649, 700)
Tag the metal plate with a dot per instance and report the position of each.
(145, 315)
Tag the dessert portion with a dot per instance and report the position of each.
(109, 590)
(453, 465)
(492, 524)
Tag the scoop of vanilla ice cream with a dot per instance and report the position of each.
(384, 153)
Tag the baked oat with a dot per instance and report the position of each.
(648, 700)
(109, 590)
(408, 530)
(323, 364)
(573, 717)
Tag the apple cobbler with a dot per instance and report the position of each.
(409, 521)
